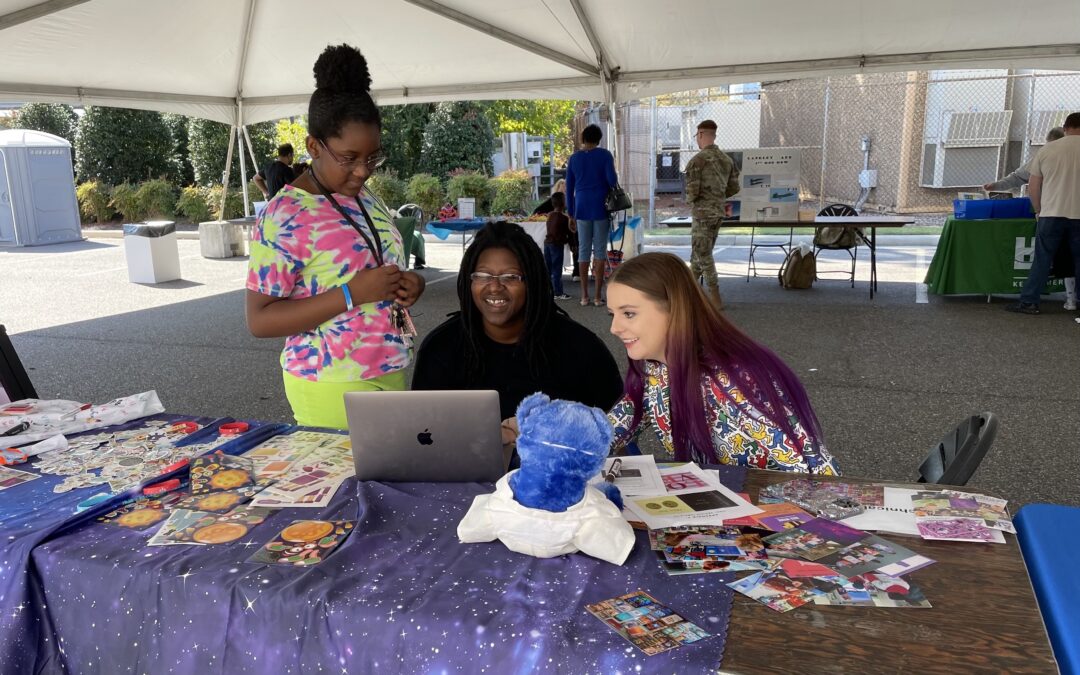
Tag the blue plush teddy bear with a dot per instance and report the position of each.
(562, 446)
(548, 507)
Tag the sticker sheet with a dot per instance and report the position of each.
(217, 472)
(9, 478)
(951, 504)
(304, 543)
(141, 512)
(218, 528)
(178, 520)
(648, 625)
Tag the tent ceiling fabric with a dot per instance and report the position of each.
(190, 57)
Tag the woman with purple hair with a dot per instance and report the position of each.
(712, 394)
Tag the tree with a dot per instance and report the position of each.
(52, 118)
(178, 125)
(538, 118)
(208, 145)
(403, 135)
(458, 136)
(119, 145)
(292, 130)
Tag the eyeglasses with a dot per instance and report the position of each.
(483, 278)
(373, 162)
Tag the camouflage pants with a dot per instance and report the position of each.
(702, 241)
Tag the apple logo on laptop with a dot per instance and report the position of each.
(424, 438)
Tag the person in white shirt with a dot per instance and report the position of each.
(1055, 195)
(1018, 179)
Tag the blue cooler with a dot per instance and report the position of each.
(974, 209)
(1011, 208)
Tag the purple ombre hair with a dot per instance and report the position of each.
(700, 341)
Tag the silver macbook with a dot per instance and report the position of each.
(426, 436)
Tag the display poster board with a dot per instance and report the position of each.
(769, 182)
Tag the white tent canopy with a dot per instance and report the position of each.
(245, 61)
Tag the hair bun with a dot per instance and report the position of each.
(342, 68)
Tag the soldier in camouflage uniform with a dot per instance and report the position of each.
(711, 177)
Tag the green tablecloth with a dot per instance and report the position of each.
(984, 257)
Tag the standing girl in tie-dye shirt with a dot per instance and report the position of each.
(323, 271)
(712, 394)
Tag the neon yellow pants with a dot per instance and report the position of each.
(322, 404)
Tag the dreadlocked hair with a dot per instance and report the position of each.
(539, 303)
(342, 95)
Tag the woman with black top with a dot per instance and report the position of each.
(510, 336)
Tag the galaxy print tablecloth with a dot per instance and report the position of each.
(400, 595)
(32, 512)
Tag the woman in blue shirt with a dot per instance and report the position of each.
(590, 174)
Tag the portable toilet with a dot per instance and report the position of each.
(37, 190)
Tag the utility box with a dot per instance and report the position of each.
(151, 252)
(221, 239)
(37, 190)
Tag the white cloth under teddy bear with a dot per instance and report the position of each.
(547, 507)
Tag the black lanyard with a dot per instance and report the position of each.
(376, 247)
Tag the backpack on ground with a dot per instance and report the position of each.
(833, 237)
(799, 268)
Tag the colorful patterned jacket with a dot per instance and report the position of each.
(741, 434)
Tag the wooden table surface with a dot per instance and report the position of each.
(984, 619)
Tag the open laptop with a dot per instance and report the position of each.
(426, 436)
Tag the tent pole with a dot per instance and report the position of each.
(251, 151)
(504, 35)
(228, 170)
(652, 161)
(244, 178)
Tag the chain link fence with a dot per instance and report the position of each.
(904, 143)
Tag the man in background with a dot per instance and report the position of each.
(711, 177)
(1018, 179)
(1055, 195)
(278, 173)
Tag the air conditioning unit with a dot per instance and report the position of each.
(969, 152)
(1042, 121)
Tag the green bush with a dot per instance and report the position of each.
(470, 184)
(156, 198)
(193, 204)
(426, 191)
(117, 145)
(125, 199)
(513, 191)
(208, 145)
(234, 202)
(94, 201)
(389, 188)
(458, 136)
(52, 118)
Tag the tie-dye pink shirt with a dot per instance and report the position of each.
(302, 247)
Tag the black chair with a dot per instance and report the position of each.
(13, 377)
(954, 460)
(848, 241)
